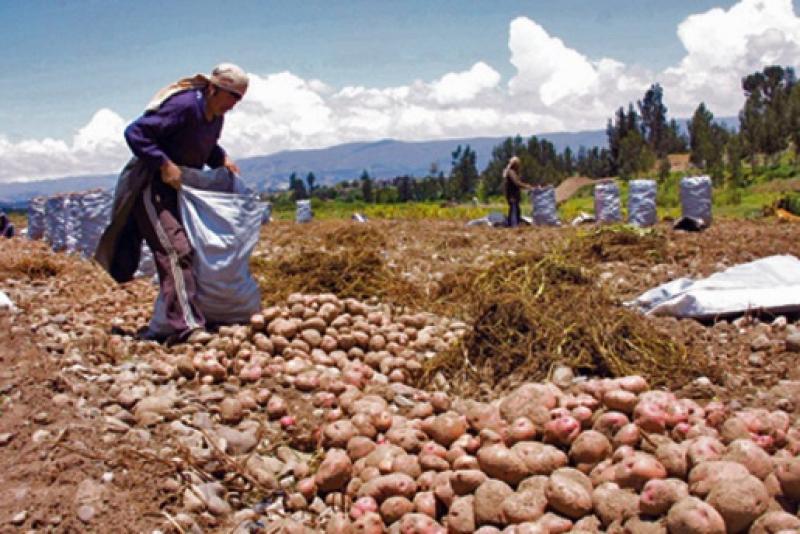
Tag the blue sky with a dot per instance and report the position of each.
(325, 72)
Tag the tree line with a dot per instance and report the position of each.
(640, 138)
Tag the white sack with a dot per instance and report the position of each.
(36, 220)
(54, 223)
(696, 198)
(72, 222)
(223, 229)
(303, 213)
(95, 217)
(606, 203)
(642, 202)
(545, 212)
(770, 284)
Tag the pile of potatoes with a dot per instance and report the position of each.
(585, 456)
(316, 336)
(597, 455)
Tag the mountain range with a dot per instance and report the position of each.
(382, 159)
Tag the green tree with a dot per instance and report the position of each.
(311, 180)
(297, 188)
(654, 120)
(464, 175)
(700, 136)
(366, 187)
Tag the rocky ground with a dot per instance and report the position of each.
(102, 433)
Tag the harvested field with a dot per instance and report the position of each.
(375, 336)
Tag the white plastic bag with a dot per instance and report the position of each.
(642, 202)
(304, 213)
(696, 198)
(606, 203)
(36, 218)
(545, 212)
(223, 229)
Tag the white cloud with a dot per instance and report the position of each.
(554, 88)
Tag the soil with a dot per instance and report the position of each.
(60, 454)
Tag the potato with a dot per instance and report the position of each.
(461, 516)
(609, 423)
(383, 487)
(788, 474)
(445, 428)
(502, 463)
(369, 523)
(590, 447)
(529, 400)
(431, 462)
(627, 435)
(394, 508)
(704, 449)
(419, 524)
(554, 524)
(706, 475)
(482, 415)
(522, 429)
(425, 503)
(525, 505)
(636, 470)
(408, 438)
(539, 459)
(636, 525)
(338, 433)
(690, 515)
(465, 462)
(360, 447)
(362, 506)
(334, 472)
(443, 489)
(774, 522)
(673, 457)
(650, 416)
(620, 400)
(488, 502)
(561, 431)
(467, 481)
(611, 503)
(739, 502)
(658, 496)
(569, 492)
(753, 457)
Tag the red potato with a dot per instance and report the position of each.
(408, 464)
(482, 415)
(522, 429)
(529, 400)
(383, 487)
(583, 415)
(658, 496)
(425, 503)
(525, 505)
(611, 503)
(692, 516)
(716, 413)
(609, 423)
(603, 472)
(702, 430)
(590, 447)
(634, 383)
(502, 463)
(443, 489)
(703, 477)
(739, 503)
(394, 508)
(554, 524)
(620, 400)
(569, 492)
(788, 474)
(467, 481)
(539, 459)
(734, 428)
(650, 416)
(629, 435)
(461, 516)
(431, 462)
(409, 439)
(339, 524)
(445, 428)
(775, 522)
(704, 449)
(338, 433)
(488, 502)
(749, 454)
(383, 455)
(454, 453)
(562, 431)
(334, 472)
(623, 452)
(636, 525)
(433, 448)
(426, 481)
(673, 457)
(465, 462)
(637, 469)
(359, 447)
(307, 487)
(419, 524)
(362, 506)
(370, 523)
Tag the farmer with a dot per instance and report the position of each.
(512, 186)
(6, 227)
(180, 127)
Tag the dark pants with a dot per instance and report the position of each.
(158, 221)
(513, 219)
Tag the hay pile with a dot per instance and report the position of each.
(538, 309)
(349, 262)
(620, 243)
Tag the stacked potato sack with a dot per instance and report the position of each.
(599, 455)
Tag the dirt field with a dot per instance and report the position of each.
(79, 455)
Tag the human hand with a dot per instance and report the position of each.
(231, 166)
(171, 174)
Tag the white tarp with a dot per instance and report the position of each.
(770, 284)
(223, 229)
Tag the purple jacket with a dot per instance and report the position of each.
(178, 131)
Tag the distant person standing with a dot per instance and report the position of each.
(512, 187)
(6, 227)
(180, 127)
